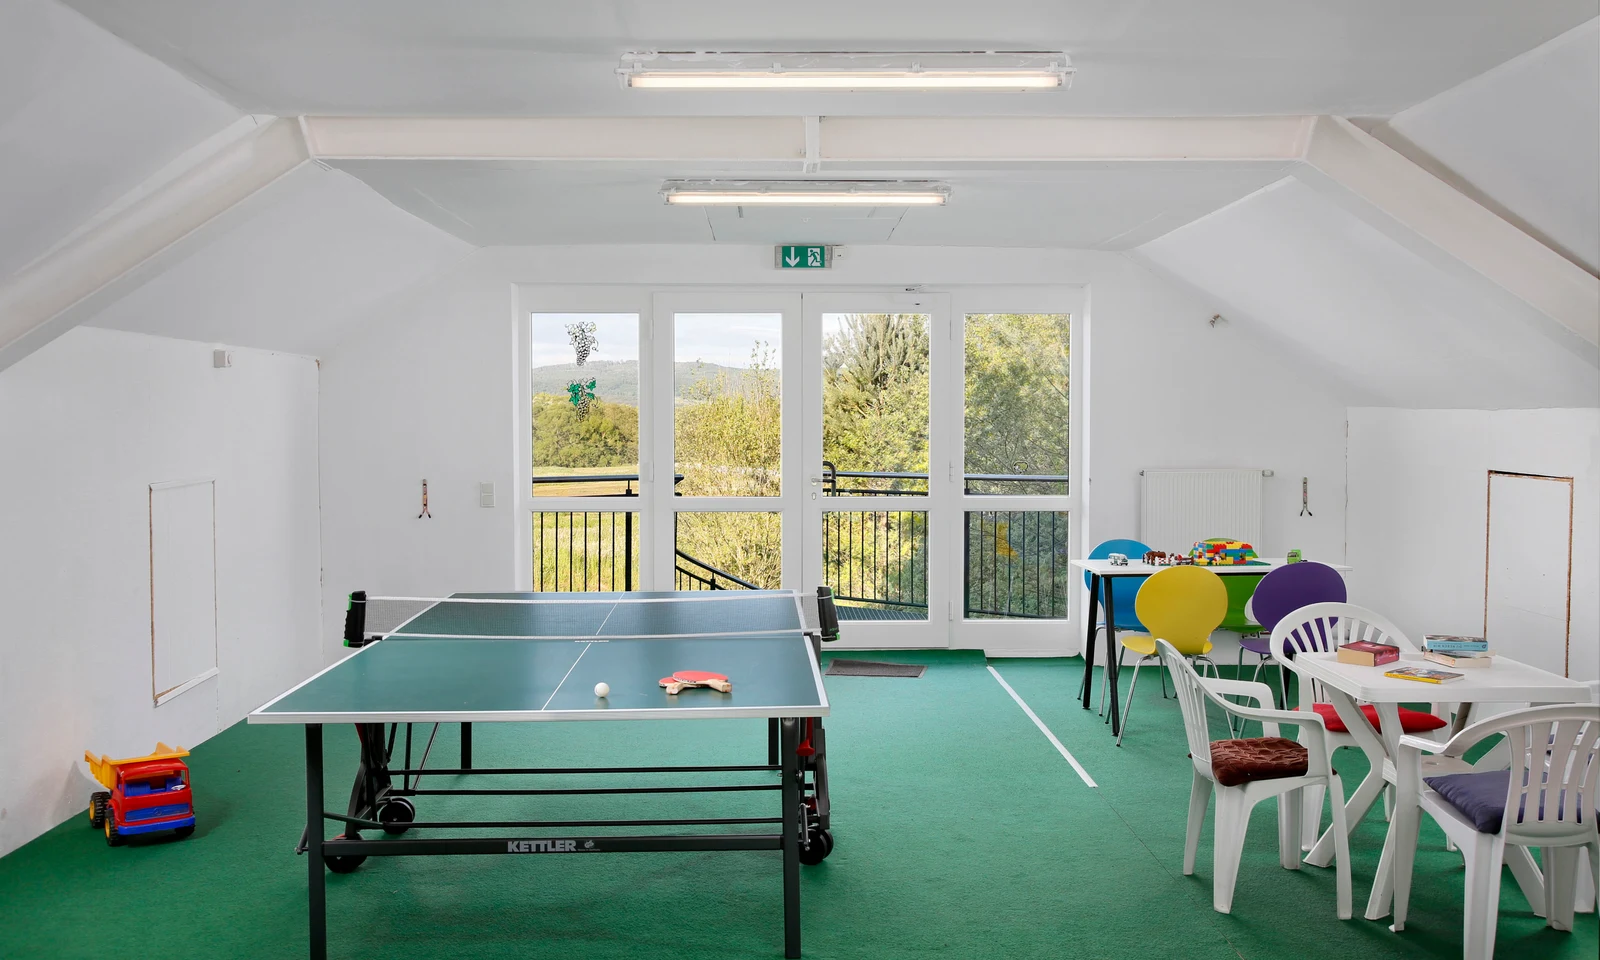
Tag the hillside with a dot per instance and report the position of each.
(617, 381)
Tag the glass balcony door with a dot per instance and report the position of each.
(869, 528)
(1014, 514)
(914, 452)
(726, 413)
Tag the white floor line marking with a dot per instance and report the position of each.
(574, 666)
(1082, 773)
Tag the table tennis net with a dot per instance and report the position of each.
(730, 613)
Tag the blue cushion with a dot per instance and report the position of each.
(1481, 797)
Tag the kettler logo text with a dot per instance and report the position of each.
(542, 846)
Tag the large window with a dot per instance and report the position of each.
(911, 451)
(727, 392)
(875, 403)
(585, 384)
(1017, 389)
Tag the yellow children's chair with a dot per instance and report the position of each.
(1183, 606)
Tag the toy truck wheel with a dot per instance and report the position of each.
(183, 832)
(113, 838)
(98, 802)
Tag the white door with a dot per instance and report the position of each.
(727, 471)
(871, 531)
(1007, 421)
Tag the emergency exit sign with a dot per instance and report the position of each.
(804, 256)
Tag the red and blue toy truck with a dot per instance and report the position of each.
(146, 794)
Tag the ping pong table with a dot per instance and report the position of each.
(524, 657)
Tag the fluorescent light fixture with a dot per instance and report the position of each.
(987, 70)
(805, 193)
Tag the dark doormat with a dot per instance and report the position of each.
(874, 668)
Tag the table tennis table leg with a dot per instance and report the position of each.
(466, 746)
(792, 774)
(772, 741)
(316, 877)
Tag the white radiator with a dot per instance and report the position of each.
(1180, 507)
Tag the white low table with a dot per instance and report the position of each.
(1348, 685)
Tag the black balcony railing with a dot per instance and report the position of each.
(691, 574)
(875, 560)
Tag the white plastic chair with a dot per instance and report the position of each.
(1588, 898)
(1550, 803)
(1234, 802)
(1322, 628)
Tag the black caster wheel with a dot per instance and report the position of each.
(395, 815)
(344, 864)
(819, 844)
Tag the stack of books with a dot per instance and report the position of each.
(1454, 651)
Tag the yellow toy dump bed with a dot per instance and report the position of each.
(104, 769)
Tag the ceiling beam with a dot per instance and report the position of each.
(1046, 139)
(102, 262)
(786, 139)
(1389, 191)
(558, 138)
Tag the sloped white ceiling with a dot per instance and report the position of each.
(1524, 139)
(1349, 300)
(1091, 205)
(290, 269)
(557, 57)
(84, 118)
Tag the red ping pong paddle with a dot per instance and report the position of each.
(696, 678)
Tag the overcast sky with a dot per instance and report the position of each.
(721, 338)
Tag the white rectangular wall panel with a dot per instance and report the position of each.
(1528, 579)
(1179, 507)
(183, 586)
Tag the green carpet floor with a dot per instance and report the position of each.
(960, 833)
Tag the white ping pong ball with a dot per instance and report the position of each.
(602, 689)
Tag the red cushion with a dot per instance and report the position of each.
(1411, 721)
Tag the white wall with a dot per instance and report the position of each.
(1523, 139)
(1417, 514)
(427, 389)
(1345, 298)
(86, 424)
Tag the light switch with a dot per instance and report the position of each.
(485, 494)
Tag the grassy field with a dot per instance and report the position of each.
(580, 488)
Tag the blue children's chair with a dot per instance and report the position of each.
(1124, 590)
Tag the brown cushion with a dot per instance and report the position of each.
(1234, 762)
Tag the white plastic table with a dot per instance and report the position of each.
(1348, 685)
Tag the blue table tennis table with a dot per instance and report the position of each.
(532, 657)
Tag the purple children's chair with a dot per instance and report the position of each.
(1281, 592)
